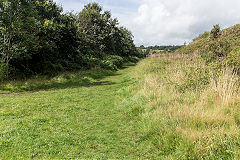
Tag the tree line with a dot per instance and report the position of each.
(166, 48)
(36, 37)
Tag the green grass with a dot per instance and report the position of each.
(155, 50)
(191, 119)
(77, 121)
(63, 80)
(129, 114)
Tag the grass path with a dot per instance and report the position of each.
(162, 108)
(80, 122)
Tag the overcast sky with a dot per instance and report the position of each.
(162, 22)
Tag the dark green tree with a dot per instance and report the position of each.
(18, 30)
(36, 37)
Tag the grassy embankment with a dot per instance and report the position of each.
(170, 107)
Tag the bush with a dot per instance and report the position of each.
(234, 58)
(116, 60)
(112, 62)
(217, 48)
(216, 31)
(195, 79)
(132, 59)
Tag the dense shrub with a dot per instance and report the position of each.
(112, 62)
(132, 59)
(233, 58)
(216, 49)
(220, 48)
(216, 31)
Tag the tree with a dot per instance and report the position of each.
(90, 23)
(102, 35)
(18, 28)
(36, 37)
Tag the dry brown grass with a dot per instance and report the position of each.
(205, 111)
(226, 85)
(174, 56)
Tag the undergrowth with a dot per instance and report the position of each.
(193, 113)
(219, 48)
(62, 80)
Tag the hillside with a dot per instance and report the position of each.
(227, 41)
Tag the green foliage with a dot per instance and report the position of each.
(147, 52)
(18, 30)
(37, 38)
(233, 58)
(3, 70)
(216, 31)
(132, 59)
(192, 47)
(216, 49)
(202, 36)
(168, 48)
(220, 48)
(196, 79)
(112, 62)
(141, 52)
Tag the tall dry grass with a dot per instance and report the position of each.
(200, 106)
(226, 85)
(189, 112)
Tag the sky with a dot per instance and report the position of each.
(166, 22)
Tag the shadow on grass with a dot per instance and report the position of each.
(62, 81)
(127, 65)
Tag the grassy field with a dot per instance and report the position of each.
(168, 107)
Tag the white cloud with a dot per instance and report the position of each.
(176, 21)
(160, 22)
